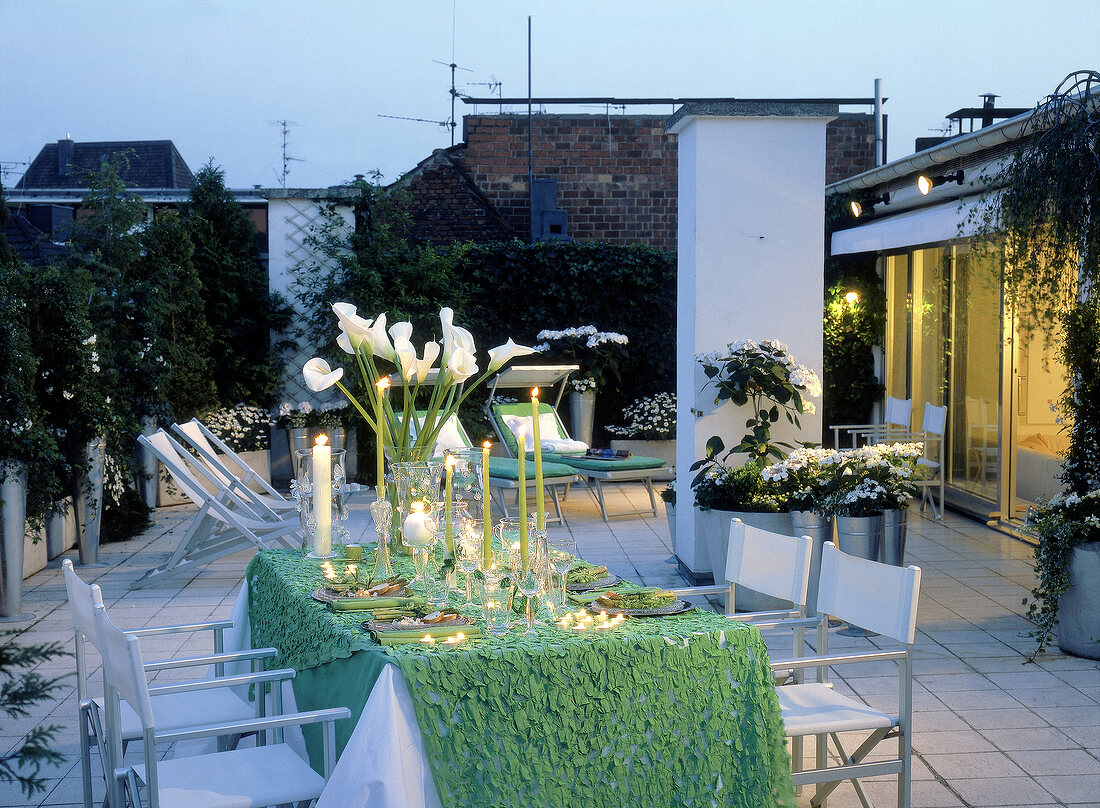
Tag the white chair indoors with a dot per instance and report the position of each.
(174, 711)
(895, 421)
(225, 524)
(933, 426)
(268, 774)
(883, 599)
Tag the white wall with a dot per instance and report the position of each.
(750, 266)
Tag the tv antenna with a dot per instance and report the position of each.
(454, 92)
(12, 167)
(495, 87)
(286, 158)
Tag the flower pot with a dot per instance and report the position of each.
(582, 412)
(664, 449)
(13, 521)
(820, 529)
(297, 438)
(716, 527)
(859, 535)
(88, 500)
(1079, 607)
(147, 465)
(894, 529)
(670, 515)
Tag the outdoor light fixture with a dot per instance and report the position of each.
(857, 208)
(851, 298)
(926, 183)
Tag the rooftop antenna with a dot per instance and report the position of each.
(12, 167)
(286, 158)
(495, 87)
(454, 67)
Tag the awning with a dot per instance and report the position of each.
(932, 225)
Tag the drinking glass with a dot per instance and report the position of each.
(525, 575)
(561, 550)
(468, 553)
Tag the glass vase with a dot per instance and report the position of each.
(415, 482)
(320, 510)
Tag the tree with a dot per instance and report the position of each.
(235, 291)
(18, 691)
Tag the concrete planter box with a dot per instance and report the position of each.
(169, 494)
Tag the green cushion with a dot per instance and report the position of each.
(507, 468)
(522, 409)
(632, 463)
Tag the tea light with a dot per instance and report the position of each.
(328, 571)
(455, 640)
(428, 639)
(580, 627)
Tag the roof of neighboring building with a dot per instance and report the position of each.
(29, 241)
(152, 164)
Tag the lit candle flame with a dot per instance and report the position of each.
(322, 440)
(428, 639)
(418, 507)
(487, 444)
(383, 383)
(535, 393)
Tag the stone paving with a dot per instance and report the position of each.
(990, 729)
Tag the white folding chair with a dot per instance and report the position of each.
(895, 421)
(883, 599)
(174, 711)
(933, 426)
(268, 774)
(225, 523)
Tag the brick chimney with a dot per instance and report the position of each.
(65, 156)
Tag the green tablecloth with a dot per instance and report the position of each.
(679, 710)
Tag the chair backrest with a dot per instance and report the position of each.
(123, 667)
(934, 420)
(874, 596)
(175, 459)
(769, 563)
(83, 600)
(193, 432)
(452, 435)
(899, 411)
(508, 418)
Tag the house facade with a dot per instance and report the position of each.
(951, 340)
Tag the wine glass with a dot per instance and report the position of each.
(525, 573)
(468, 553)
(561, 550)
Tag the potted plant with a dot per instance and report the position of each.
(294, 420)
(751, 373)
(1042, 213)
(668, 496)
(1067, 562)
(649, 428)
(724, 493)
(599, 354)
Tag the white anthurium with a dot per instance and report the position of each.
(424, 366)
(380, 341)
(319, 376)
(462, 366)
(503, 354)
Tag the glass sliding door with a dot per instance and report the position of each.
(974, 455)
(898, 323)
(930, 329)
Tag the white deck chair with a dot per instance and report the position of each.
(243, 480)
(225, 523)
(895, 421)
(180, 710)
(268, 774)
(882, 598)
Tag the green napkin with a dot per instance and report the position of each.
(438, 633)
(359, 604)
(584, 598)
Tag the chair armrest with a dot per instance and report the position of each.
(778, 621)
(223, 681)
(258, 725)
(211, 659)
(841, 659)
(702, 590)
(157, 631)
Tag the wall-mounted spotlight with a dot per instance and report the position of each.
(857, 207)
(926, 183)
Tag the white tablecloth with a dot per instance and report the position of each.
(383, 764)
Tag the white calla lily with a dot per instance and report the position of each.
(503, 354)
(345, 343)
(405, 355)
(402, 330)
(424, 366)
(462, 366)
(454, 336)
(380, 341)
(319, 376)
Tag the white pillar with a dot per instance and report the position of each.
(750, 264)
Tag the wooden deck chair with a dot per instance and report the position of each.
(883, 599)
(895, 422)
(267, 774)
(243, 479)
(504, 471)
(225, 523)
(507, 419)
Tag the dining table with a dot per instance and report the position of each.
(671, 710)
